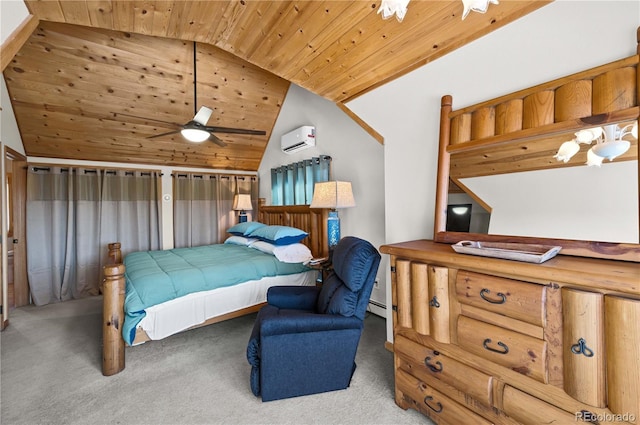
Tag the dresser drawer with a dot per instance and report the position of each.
(433, 403)
(530, 410)
(512, 298)
(519, 352)
(427, 364)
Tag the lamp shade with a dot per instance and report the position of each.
(242, 202)
(332, 194)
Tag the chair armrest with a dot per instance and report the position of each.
(293, 297)
(295, 321)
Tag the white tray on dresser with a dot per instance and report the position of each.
(530, 253)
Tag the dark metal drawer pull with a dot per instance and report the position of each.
(434, 302)
(581, 348)
(434, 368)
(504, 350)
(484, 292)
(427, 399)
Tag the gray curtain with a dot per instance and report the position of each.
(73, 213)
(203, 206)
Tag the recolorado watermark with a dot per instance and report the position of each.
(585, 416)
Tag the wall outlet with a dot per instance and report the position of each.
(376, 284)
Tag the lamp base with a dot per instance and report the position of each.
(242, 218)
(333, 229)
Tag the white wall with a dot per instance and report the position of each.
(559, 39)
(356, 157)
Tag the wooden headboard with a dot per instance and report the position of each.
(313, 221)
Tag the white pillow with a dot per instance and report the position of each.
(293, 253)
(240, 240)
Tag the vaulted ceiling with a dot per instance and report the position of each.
(96, 79)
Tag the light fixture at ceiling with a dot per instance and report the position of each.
(610, 143)
(479, 6)
(195, 135)
(388, 8)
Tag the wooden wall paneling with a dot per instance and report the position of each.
(573, 100)
(76, 12)
(16, 40)
(403, 287)
(622, 339)
(439, 303)
(420, 286)
(584, 350)
(483, 123)
(538, 109)
(615, 90)
(509, 116)
(460, 129)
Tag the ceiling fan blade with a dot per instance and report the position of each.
(203, 115)
(215, 139)
(164, 134)
(230, 130)
(147, 119)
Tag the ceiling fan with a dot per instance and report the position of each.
(197, 129)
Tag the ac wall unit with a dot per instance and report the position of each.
(298, 139)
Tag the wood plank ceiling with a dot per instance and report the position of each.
(97, 78)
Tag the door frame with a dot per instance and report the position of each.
(18, 205)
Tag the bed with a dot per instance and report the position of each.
(224, 287)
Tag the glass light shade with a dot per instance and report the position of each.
(332, 194)
(242, 202)
(390, 7)
(588, 135)
(634, 131)
(194, 134)
(611, 149)
(567, 150)
(479, 6)
(593, 159)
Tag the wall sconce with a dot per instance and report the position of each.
(609, 139)
(334, 195)
(242, 203)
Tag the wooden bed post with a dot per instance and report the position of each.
(113, 319)
(115, 254)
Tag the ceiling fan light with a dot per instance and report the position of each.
(611, 149)
(588, 135)
(567, 150)
(593, 159)
(194, 134)
(479, 6)
(390, 7)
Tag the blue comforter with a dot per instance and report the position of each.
(153, 277)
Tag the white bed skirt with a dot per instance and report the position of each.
(174, 316)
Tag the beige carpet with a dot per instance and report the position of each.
(51, 374)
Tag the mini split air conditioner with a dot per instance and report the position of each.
(298, 139)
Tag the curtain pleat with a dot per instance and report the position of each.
(293, 184)
(73, 213)
(203, 206)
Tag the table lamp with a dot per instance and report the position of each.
(242, 203)
(333, 195)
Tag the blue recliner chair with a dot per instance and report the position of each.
(304, 340)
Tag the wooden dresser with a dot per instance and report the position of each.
(480, 340)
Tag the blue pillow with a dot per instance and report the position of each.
(244, 229)
(278, 235)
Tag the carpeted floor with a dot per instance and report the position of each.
(51, 374)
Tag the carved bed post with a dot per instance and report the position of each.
(442, 184)
(115, 254)
(113, 318)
